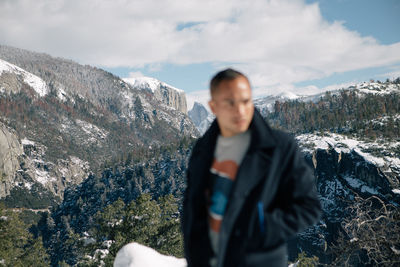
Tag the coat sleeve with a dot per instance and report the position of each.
(194, 224)
(297, 205)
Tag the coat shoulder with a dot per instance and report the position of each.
(283, 139)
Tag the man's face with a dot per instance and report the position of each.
(233, 106)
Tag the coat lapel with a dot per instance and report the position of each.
(253, 171)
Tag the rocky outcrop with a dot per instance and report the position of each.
(168, 95)
(10, 150)
(23, 165)
(172, 97)
(341, 175)
(9, 83)
(200, 117)
(198, 113)
(55, 176)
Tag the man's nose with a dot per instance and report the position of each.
(240, 109)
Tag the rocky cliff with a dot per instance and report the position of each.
(10, 150)
(201, 117)
(168, 95)
(23, 165)
(345, 169)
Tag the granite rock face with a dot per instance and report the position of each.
(168, 95)
(23, 164)
(198, 113)
(10, 150)
(201, 117)
(171, 97)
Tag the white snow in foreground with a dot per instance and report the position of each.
(34, 81)
(136, 255)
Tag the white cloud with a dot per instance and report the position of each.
(277, 43)
(135, 74)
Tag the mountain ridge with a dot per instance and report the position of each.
(90, 116)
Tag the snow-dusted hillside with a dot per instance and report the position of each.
(382, 154)
(66, 112)
(33, 81)
(376, 88)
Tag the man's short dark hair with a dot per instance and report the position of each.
(227, 74)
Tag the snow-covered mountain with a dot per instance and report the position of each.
(167, 94)
(66, 120)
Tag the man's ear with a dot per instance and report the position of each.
(211, 104)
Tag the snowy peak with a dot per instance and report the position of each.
(150, 84)
(287, 95)
(32, 80)
(171, 96)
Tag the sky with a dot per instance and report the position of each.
(301, 46)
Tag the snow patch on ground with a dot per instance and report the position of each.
(42, 177)
(92, 130)
(28, 185)
(61, 94)
(26, 142)
(355, 183)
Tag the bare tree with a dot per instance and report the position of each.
(371, 236)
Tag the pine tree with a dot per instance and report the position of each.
(18, 247)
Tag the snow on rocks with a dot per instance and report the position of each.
(137, 255)
(34, 81)
(26, 142)
(148, 83)
(92, 131)
(344, 144)
(377, 88)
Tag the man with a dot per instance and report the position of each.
(248, 186)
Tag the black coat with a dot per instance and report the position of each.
(273, 198)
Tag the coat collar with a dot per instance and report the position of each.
(261, 134)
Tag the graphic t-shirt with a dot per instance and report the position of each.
(228, 155)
